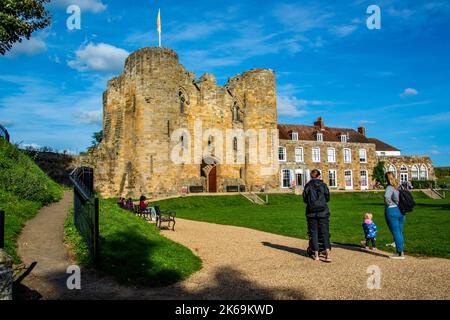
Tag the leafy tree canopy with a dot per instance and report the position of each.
(19, 19)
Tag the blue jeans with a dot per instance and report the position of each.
(395, 220)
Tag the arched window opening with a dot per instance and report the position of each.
(423, 172)
(182, 102)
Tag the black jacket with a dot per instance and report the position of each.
(310, 186)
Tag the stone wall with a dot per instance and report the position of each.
(142, 110)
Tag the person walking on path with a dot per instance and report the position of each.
(316, 196)
(394, 218)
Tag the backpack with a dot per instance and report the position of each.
(406, 201)
(316, 200)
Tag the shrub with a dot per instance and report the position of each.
(423, 184)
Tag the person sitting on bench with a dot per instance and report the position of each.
(144, 205)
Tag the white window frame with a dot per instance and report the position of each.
(415, 171)
(314, 160)
(344, 138)
(299, 154)
(284, 152)
(421, 171)
(349, 155)
(283, 178)
(350, 187)
(393, 169)
(365, 156)
(335, 178)
(294, 136)
(319, 137)
(366, 187)
(333, 160)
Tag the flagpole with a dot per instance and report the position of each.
(158, 25)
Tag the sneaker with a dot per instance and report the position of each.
(397, 257)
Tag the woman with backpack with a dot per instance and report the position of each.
(394, 217)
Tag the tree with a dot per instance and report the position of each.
(19, 19)
(378, 173)
(97, 138)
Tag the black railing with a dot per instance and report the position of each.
(86, 209)
(2, 229)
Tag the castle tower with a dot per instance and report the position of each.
(156, 96)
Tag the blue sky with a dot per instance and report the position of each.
(394, 81)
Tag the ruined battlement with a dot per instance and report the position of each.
(153, 98)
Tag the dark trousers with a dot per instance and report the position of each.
(319, 228)
(373, 240)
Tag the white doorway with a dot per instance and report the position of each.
(404, 177)
(348, 178)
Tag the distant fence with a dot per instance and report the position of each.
(86, 209)
(2, 229)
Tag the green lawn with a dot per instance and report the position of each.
(426, 230)
(133, 251)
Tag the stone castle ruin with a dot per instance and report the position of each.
(154, 97)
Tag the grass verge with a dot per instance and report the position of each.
(132, 250)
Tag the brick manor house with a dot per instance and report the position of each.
(155, 96)
(345, 157)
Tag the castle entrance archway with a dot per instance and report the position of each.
(209, 171)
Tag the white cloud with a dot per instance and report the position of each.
(29, 47)
(362, 122)
(343, 31)
(94, 6)
(300, 18)
(294, 107)
(99, 57)
(90, 117)
(409, 92)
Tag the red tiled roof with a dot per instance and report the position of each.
(382, 146)
(329, 134)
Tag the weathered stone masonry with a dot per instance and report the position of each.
(156, 95)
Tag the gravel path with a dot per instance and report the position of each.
(238, 263)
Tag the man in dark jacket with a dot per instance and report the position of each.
(316, 196)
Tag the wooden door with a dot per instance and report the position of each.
(212, 180)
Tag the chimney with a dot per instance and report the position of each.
(362, 130)
(320, 123)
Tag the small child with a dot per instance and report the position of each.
(370, 231)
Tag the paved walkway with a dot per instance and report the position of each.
(238, 263)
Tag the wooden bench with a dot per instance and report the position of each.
(165, 216)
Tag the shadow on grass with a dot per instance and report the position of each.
(130, 258)
(440, 206)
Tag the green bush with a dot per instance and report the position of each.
(20, 176)
(423, 184)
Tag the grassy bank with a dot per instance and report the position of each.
(426, 229)
(24, 189)
(133, 251)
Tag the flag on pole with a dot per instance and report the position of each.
(158, 26)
